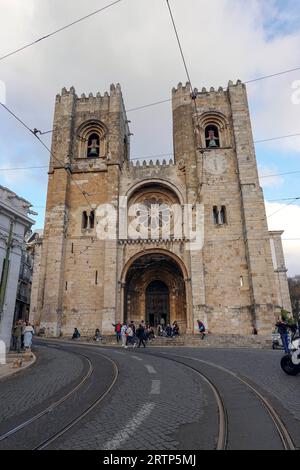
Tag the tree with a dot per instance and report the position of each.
(294, 285)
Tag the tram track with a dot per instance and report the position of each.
(228, 424)
(224, 416)
(43, 444)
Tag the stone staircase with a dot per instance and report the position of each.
(210, 341)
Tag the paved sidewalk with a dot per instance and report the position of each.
(25, 360)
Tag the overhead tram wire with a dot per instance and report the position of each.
(264, 77)
(34, 133)
(83, 18)
(293, 199)
(143, 157)
(284, 207)
(277, 74)
(284, 199)
(179, 44)
(277, 138)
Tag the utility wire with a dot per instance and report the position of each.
(264, 77)
(281, 174)
(25, 168)
(277, 138)
(179, 44)
(140, 158)
(60, 29)
(279, 200)
(68, 171)
(285, 206)
(148, 105)
(34, 132)
(267, 200)
(17, 118)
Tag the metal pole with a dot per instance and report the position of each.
(5, 271)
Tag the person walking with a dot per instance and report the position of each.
(17, 335)
(283, 331)
(28, 335)
(130, 336)
(201, 328)
(141, 335)
(124, 335)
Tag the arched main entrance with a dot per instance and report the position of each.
(157, 303)
(155, 289)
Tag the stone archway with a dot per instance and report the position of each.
(155, 277)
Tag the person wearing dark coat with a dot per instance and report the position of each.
(76, 334)
(169, 331)
(141, 335)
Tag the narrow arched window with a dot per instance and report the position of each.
(93, 147)
(84, 220)
(212, 138)
(92, 219)
(215, 215)
(223, 216)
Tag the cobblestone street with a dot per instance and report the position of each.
(153, 399)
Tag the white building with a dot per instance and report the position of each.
(14, 223)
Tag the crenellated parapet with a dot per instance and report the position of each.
(95, 101)
(184, 95)
(151, 164)
(100, 118)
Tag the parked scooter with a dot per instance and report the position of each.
(290, 363)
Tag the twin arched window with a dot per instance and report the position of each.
(219, 215)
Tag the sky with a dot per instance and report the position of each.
(133, 43)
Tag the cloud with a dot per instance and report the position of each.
(134, 43)
(267, 177)
(283, 217)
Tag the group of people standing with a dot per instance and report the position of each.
(22, 336)
(129, 334)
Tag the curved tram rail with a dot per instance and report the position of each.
(56, 404)
(282, 430)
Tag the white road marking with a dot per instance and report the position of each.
(130, 429)
(150, 369)
(136, 358)
(155, 390)
(119, 352)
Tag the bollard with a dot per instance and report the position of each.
(2, 353)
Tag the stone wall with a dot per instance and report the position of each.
(229, 280)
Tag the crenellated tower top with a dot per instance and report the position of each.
(90, 126)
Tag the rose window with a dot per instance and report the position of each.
(153, 213)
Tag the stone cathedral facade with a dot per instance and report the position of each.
(106, 256)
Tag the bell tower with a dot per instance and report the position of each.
(213, 141)
(90, 145)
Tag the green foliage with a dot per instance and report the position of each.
(287, 317)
